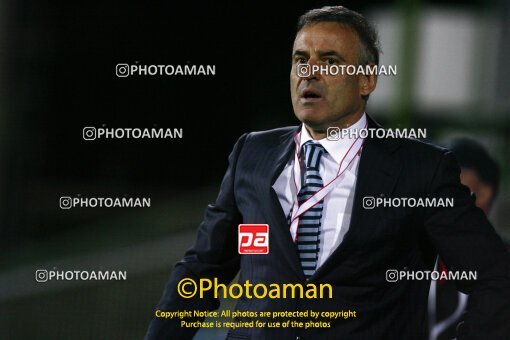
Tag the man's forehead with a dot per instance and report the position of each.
(325, 35)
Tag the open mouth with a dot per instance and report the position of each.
(311, 95)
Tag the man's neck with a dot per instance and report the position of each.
(343, 123)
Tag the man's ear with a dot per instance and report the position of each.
(484, 194)
(368, 82)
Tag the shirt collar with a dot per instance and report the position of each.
(335, 148)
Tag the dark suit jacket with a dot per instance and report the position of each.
(377, 240)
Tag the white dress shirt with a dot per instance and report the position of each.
(336, 214)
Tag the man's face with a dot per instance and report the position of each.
(321, 101)
(483, 192)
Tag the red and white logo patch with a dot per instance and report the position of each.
(253, 239)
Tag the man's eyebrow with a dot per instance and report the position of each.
(330, 53)
(321, 54)
(300, 52)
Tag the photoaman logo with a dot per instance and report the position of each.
(253, 239)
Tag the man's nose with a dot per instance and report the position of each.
(314, 69)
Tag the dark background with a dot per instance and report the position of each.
(57, 75)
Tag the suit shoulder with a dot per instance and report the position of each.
(425, 147)
(422, 152)
(273, 133)
(269, 137)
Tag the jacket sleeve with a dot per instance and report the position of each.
(466, 241)
(213, 255)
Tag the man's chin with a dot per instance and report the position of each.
(313, 118)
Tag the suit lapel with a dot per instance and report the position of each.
(278, 157)
(378, 172)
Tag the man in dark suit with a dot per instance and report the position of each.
(480, 173)
(274, 175)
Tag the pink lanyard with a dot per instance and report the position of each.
(298, 210)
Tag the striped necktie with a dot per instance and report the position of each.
(308, 229)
